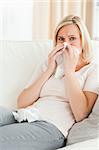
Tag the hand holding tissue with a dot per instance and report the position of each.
(60, 58)
(59, 70)
(60, 61)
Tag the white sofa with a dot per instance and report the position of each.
(17, 61)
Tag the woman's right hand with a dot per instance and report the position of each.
(53, 56)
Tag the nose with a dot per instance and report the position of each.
(66, 40)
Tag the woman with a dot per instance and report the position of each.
(60, 101)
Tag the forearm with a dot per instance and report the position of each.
(32, 93)
(77, 99)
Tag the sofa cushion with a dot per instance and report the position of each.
(86, 129)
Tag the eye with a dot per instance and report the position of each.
(61, 39)
(72, 38)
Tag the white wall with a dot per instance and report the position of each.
(29, 19)
(16, 19)
(1, 23)
(96, 30)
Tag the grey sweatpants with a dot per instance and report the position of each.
(38, 135)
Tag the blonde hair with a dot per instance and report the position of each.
(86, 41)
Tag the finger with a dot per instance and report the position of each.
(57, 54)
(56, 49)
(66, 54)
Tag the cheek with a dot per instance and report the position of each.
(59, 42)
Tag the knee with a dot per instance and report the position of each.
(6, 116)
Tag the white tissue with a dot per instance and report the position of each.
(60, 58)
(59, 70)
(27, 114)
(76, 51)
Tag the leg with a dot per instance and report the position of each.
(6, 116)
(38, 135)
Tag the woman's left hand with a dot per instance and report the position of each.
(71, 56)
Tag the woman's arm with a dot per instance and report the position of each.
(81, 102)
(32, 93)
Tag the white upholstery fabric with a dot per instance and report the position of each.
(17, 61)
(92, 144)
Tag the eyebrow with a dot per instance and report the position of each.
(71, 35)
(68, 36)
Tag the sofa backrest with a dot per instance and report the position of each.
(17, 62)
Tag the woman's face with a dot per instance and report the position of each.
(71, 35)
